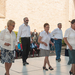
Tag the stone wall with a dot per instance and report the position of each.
(2, 8)
(38, 12)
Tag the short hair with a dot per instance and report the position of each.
(59, 24)
(46, 24)
(10, 22)
(73, 21)
(25, 18)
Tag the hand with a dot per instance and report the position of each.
(44, 43)
(18, 42)
(55, 39)
(7, 44)
(37, 48)
(33, 49)
(16, 47)
(70, 47)
(19, 49)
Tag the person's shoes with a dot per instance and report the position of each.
(44, 68)
(74, 74)
(58, 60)
(24, 64)
(70, 72)
(51, 68)
(27, 63)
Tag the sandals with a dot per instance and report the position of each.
(51, 68)
(70, 72)
(44, 68)
(74, 74)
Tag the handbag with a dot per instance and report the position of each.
(66, 52)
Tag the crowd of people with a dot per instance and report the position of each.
(34, 49)
(29, 42)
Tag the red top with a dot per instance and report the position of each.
(21, 46)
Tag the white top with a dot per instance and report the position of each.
(57, 33)
(70, 35)
(24, 31)
(7, 37)
(45, 38)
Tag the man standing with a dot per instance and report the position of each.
(58, 36)
(35, 36)
(24, 33)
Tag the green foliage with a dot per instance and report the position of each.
(16, 33)
(63, 43)
(16, 36)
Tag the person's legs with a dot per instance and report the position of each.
(44, 62)
(50, 48)
(73, 69)
(37, 51)
(60, 45)
(7, 67)
(20, 53)
(28, 48)
(24, 45)
(47, 61)
(57, 49)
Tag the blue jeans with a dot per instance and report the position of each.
(58, 45)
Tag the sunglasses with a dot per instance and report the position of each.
(27, 20)
(13, 25)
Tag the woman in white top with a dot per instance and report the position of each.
(69, 39)
(44, 40)
(8, 44)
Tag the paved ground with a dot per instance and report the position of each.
(35, 67)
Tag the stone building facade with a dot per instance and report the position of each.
(38, 12)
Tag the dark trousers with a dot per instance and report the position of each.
(26, 48)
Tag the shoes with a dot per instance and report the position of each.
(5, 73)
(44, 68)
(51, 68)
(25, 63)
(70, 72)
(73, 74)
(58, 60)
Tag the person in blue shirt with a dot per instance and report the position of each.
(34, 48)
(19, 51)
